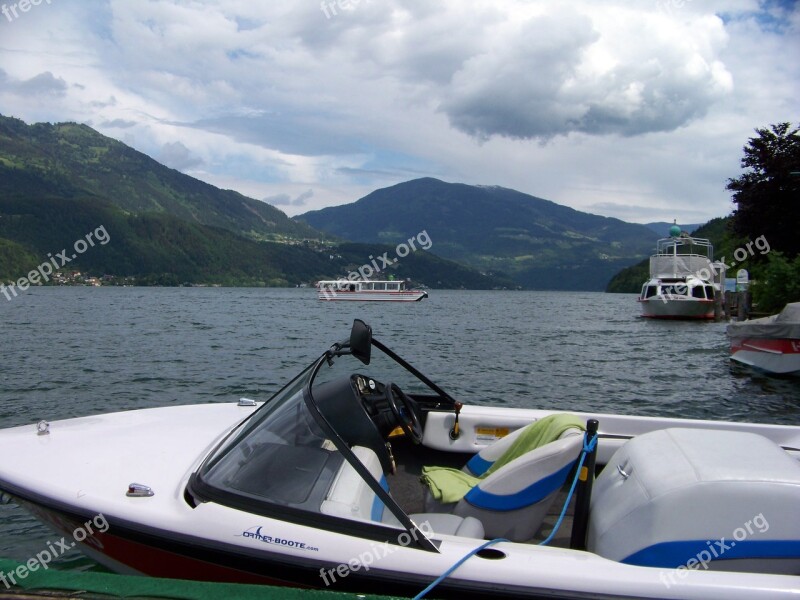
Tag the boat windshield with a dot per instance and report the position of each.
(295, 455)
(279, 457)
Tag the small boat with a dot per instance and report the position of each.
(683, 279)
(771, 344)
(320, 486)
(368, 290)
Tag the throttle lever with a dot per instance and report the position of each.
(455, 432)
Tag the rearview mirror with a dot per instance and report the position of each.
(361, 341)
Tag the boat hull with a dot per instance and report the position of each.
(172, 536)
(776, 356)
(677, 308)
(373, 296)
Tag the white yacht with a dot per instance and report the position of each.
(683, 279)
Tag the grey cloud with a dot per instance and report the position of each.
(42, 84)
(118, 124)
(178, 156)
(279, 200)
(286, 199)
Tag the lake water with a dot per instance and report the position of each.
(76, 351)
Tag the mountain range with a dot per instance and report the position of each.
(536, 242)
(58, 181)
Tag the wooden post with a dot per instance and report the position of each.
(743, 311)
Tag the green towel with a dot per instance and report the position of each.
(446, 484)
(450, 485)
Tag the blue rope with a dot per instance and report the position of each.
(461, 561)
(587, 447)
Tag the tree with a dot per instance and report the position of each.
(777, 283)
(766, 195)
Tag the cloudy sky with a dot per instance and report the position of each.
(636, 109)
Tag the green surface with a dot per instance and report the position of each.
(125, 586)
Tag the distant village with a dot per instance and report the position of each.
(78, 278)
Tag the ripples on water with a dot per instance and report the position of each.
(75, 351)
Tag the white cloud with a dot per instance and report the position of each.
(599, 105)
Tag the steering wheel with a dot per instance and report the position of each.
(405, 414)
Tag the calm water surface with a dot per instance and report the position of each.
(76, 351)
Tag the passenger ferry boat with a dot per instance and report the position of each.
(374, 290)
(683, 279)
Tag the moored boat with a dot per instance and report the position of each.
(320, 487)
(683, 279)
(771, 344)
(368, 290)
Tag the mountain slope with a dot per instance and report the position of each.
(662, 227)
(540, 244)
(162, 249)
(68, 160)
(60, 182)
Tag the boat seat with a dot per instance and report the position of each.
(441, 524)
(351, 498)
(725, 499)
(512, 501)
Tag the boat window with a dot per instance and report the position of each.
(379, 286)
(698, 291)
(678, 289)
(650, 291)
(710, 292)
(366, 286)
(392, 286)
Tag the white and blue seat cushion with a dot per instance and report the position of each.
(728, 499)
(351, 497)
(529, 479)
(513, 499)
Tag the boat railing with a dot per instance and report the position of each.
(685, 246)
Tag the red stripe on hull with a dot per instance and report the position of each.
(156, 562)
(147, 559)
(783, 346)
(679, 317)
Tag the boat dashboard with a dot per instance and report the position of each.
(366, 412)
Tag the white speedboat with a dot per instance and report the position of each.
(368, 290)
(320, 486)
(771, 344)
(683, 279)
